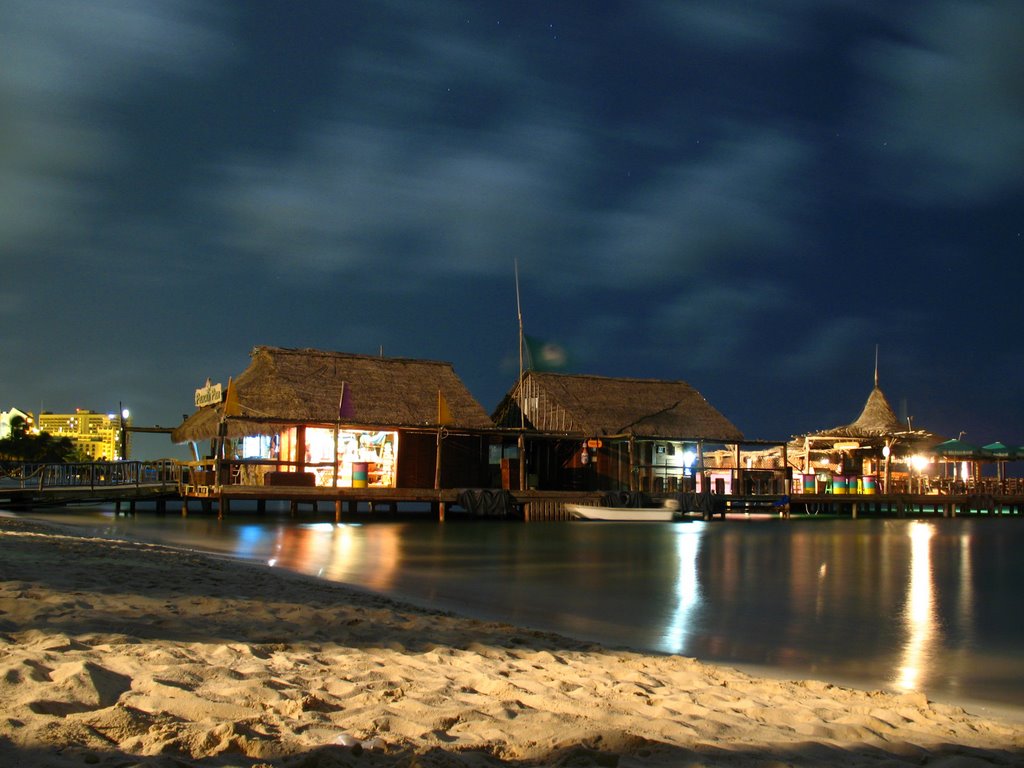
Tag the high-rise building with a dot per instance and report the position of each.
(98, 436)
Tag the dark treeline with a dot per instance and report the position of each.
(22, 445)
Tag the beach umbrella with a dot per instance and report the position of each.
(956, 449)
(1002, 454)
(999, 451)
(952, 451)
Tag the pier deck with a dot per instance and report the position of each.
(537, 505)
(163, 482)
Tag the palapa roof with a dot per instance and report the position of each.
(876, 420)
(596, 405)
(285, 387)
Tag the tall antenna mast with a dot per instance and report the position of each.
(519, 314)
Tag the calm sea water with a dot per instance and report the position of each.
(930, 606)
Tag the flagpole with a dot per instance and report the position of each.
(222, 431)
(519, 315)
(522, 398)
(437, 456)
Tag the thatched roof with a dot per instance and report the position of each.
(596, 405)
(876, 424)
(285, 387)
(876, 420)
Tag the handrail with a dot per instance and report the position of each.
(93, 474)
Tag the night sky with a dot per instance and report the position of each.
(748, 196)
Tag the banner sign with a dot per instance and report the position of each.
(209, 395)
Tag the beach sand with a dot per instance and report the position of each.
(123, 654)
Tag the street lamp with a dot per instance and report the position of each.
(124, 431)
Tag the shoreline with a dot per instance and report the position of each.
(125, 653)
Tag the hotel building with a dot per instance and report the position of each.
(97, 436)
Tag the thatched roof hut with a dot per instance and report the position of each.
(877, 419)
(594, 406)
(287, 387)
(876, 425)
(874, 435)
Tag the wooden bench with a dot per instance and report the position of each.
(294, 479)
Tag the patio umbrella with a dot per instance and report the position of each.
(956, 449)
(999, 451)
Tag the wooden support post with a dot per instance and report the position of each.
(522, 460)
(337, 510)
(853, 510)
(437, 457)
(335, 468)
(441, 511)
(632, 464)
(293, 507)
(184, 506)
(787, 474)
(300, 448)
(700, 468)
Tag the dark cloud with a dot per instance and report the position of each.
(716, 191)
(944, 111)
(66, 70)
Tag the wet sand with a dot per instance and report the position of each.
(120, 654)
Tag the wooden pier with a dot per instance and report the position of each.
(166, 483)
(908, 504)
(29, 486)
(542, 506)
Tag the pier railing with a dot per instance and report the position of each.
(91, 474)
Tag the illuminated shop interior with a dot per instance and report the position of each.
(364, 458)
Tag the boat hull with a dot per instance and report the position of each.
(623, 514)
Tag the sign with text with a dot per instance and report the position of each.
(209, 395)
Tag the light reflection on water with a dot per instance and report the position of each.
(919, 613)
(909, 605)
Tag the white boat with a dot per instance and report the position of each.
(663, 514)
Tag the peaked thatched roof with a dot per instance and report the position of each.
(596, 405)
(283, 387)
(877, 423)
(877, 419)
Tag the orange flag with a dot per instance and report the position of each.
(444, 415)
(231, 405)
